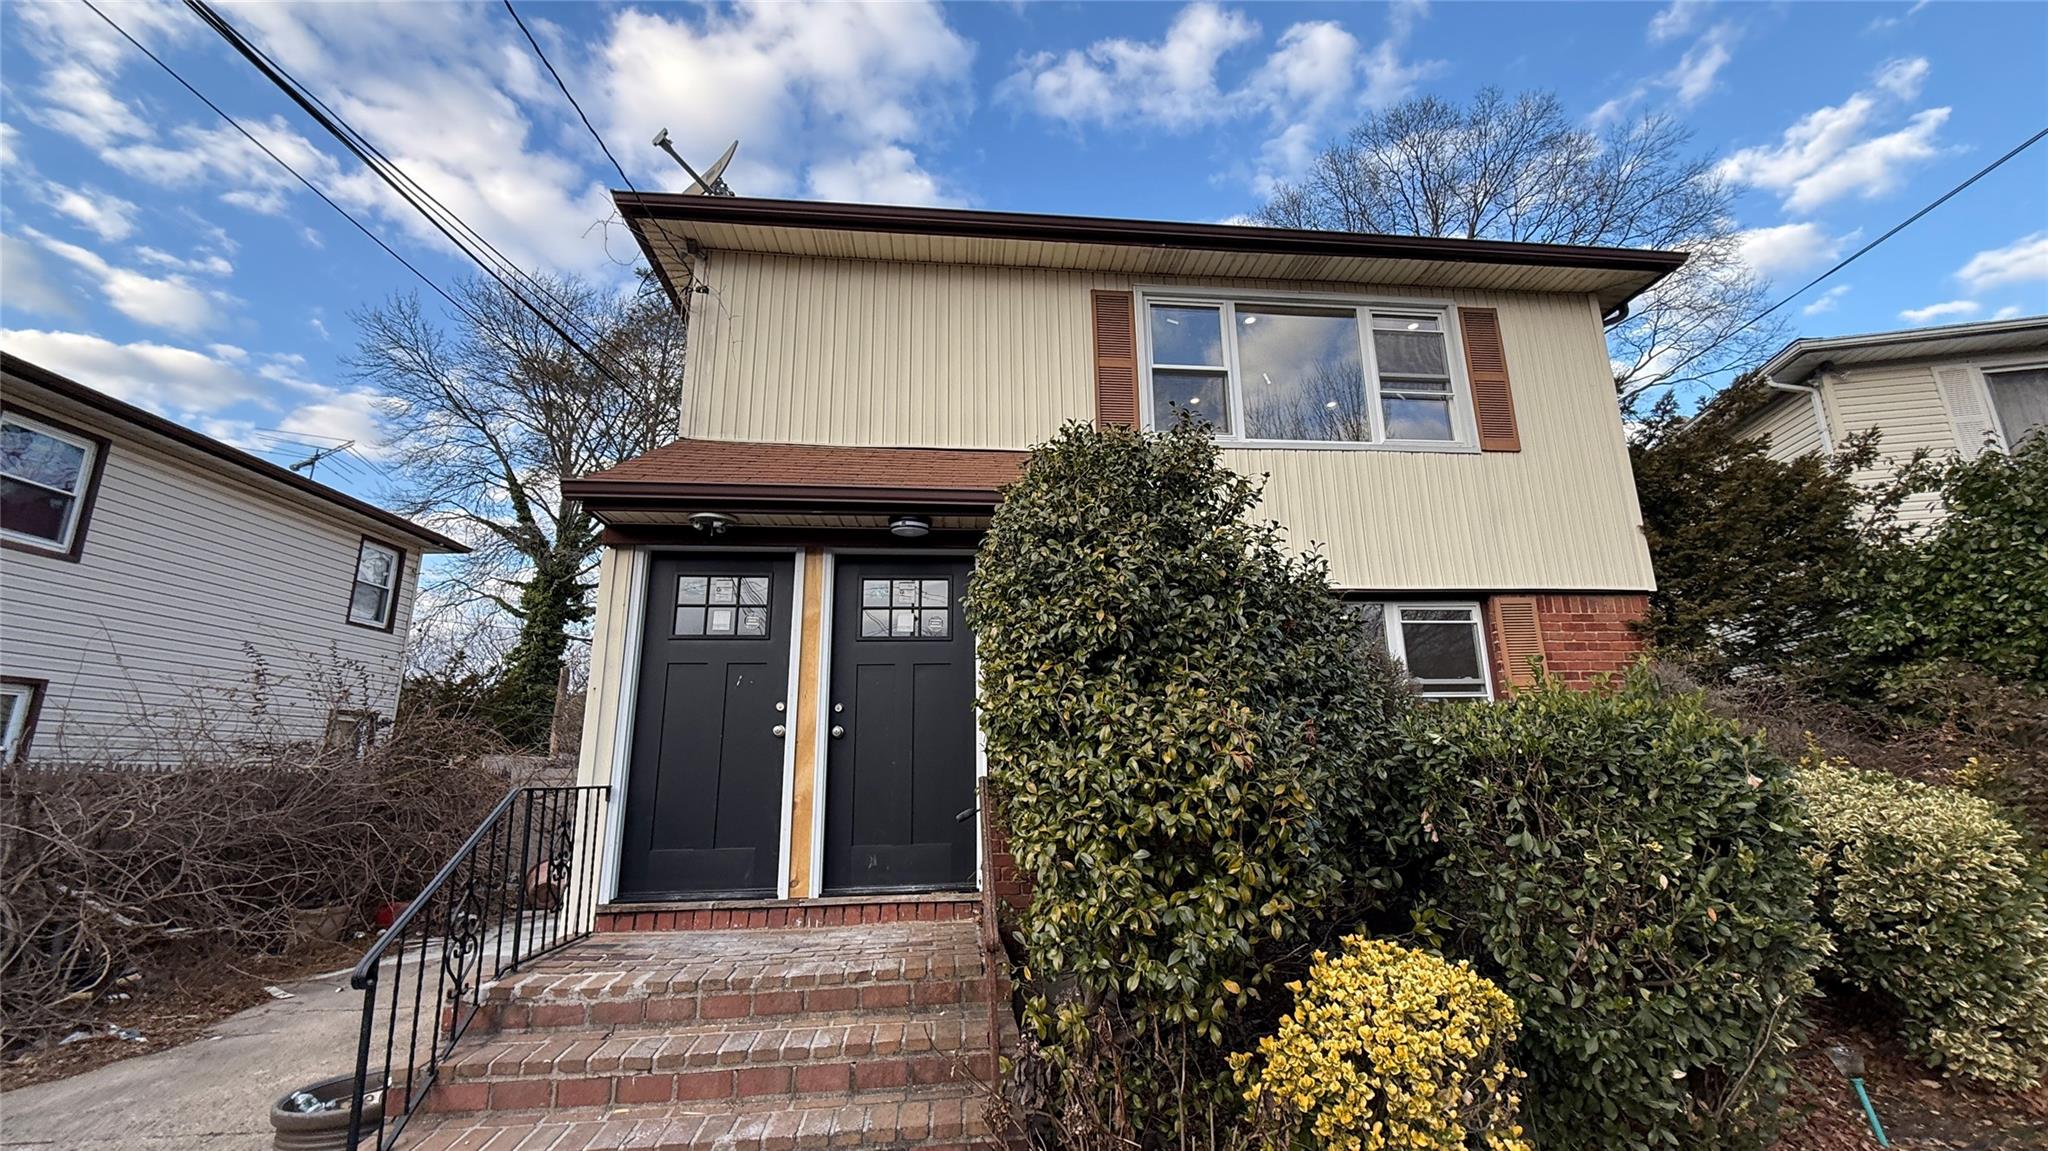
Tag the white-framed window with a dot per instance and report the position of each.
(2019, 400)
(375, 597)
(46, 476)
(1305, 370)
(17, 714)
(1443, 645)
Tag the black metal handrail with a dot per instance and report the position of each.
(511, 893)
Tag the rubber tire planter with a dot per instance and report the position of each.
(323, 1130)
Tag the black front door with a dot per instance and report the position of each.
(899, 775)
(704, 787)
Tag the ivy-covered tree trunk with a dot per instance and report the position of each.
(550, 603)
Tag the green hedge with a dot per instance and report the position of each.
(1934, 904)
(1187, 737)
(1629, 867)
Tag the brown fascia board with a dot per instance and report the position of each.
(603, 493)
(148, 421)
(826, 216)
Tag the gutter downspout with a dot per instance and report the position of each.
(1820, 411)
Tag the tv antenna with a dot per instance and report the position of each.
(712, 181)
(312, 463)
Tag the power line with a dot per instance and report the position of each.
(360, 149)
(265, 149)
(572, 100)
(1901, 226)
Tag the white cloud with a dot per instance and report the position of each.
(1902, 78)
(1937, 311)
(10, 144)
(156, 376)
(1169, 83)
(1693, 79)
(1772, 252)
(202, 264)
(350, 415)
(30, 286)
(1826, 301)
(107, 215)
(1675, 19)
(2007, 312)
(819, 94)
(2019, 262)
(1836, 150)
(167, 302)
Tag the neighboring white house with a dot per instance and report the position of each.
(162, 592)
(1955, 389)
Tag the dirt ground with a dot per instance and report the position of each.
(1920, 1111)
(171, 1007)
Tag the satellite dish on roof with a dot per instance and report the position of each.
(712, 181)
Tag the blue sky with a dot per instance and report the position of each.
(150, 252)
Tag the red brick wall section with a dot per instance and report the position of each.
(1584, 636)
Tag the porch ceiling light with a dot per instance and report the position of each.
(711, 523)
(910, 527)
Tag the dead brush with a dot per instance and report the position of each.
(106, 871)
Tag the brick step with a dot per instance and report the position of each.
(924, 1118)
(631, 979)
(812, 1056)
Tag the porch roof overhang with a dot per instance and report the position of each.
(672, 229)
(783, 484)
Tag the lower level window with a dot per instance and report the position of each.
(17, 709)
(1443, 645)
(351, 732)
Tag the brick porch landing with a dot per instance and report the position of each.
(772, 1039)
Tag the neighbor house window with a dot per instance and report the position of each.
(375, 597)
(1303, 372)
(1443, 645)
(18, 699)
(350, 731)
(46, 477)
(2019, 398)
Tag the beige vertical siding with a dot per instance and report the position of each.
(192, 580)
(942, 355)
(1790, 424)
(1903, 402)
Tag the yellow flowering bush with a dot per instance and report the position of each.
(1387, 1047)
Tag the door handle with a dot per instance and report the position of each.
(779, 731)
(837, 731)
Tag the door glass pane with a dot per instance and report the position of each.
(1412, 418)
(754, 589)
(689, 621)
(754, 621)
(725, 589)
(904, 593)
(692, 589)
(934, 623)
(1303, 374)
(1187, 336)
(935, 592)
(2021, 400)
(903, 621)
(46, 460)
(720, 620)
(1200, 394)
(874, 593)
(874, 623)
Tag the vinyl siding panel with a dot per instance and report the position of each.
(203, 612)
(957, 355)
(1790, 424)
(1903, 402)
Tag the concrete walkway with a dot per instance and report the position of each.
(213, 1094)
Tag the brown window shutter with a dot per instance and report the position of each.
(1486, 369)
(1519, 636)
(1116, 359)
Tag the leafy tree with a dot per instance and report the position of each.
(1518, 168)
(1974, 588)
(1744, 545)
(1186, 732)
(488, 410)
